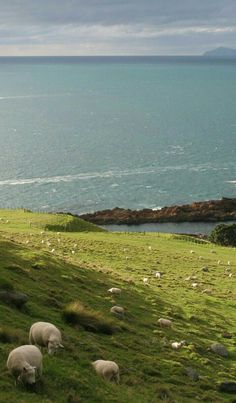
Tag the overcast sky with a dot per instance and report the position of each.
(115, 27)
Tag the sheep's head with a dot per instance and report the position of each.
(53, 346)
(28, 374)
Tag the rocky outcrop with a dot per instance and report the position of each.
(207, 211)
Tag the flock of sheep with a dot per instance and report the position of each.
(25, 363)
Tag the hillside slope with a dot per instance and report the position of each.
(55, 269)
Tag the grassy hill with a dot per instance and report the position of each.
(57, 260)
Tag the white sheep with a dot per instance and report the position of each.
(114, 290)
(177, 345)
(117, 310)
(109, 370)
(25, 364)
(47, 335)
(158, 274)
(194, 285)
(165, 322)
(145, 280)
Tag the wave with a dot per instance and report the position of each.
(35, 96)
(105, 174)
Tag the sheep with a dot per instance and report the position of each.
(109, 370)
(158, 274)
(25, 364)
(145, 280)
(47, 335)
(73, 252)
(118, 311)
(114, 290)
(194, 285)
(165, 322)
(177, 345)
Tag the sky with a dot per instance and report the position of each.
(115, 27)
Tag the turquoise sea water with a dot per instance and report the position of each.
(84, 134)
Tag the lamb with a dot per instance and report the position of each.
(117, 310)
(165, 322)
(25, 364)
(177, 345)
(114, 290)
(109, 370)
(45, 335)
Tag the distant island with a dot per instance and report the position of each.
(221, 52)
(205, 211)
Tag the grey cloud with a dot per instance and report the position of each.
(109, 12)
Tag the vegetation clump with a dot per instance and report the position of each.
(76, 313)
(224, 235)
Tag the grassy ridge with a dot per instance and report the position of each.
(79, 267)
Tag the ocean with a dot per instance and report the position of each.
(80, 134)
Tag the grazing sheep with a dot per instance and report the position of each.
(177, 345)
(149, 248)
(229, 263)
(230, 275)
(145, 280)
(194, 285)
(117, 310)
(25, 363)
(158, 274)
(114, 290)
(45, 335)
(165, 322)
(109, 370)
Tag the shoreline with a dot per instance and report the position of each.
(210, 211)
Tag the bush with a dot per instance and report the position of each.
(224, 235)
(76, 314)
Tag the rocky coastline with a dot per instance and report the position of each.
(205, 211)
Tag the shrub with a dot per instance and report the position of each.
(224, 235)
(76, 314)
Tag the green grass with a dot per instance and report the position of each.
(81, 266)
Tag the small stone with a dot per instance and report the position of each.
(219, 349)
(227, 387)
(192, 373)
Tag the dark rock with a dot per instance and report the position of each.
(205, 269)
(227, 387)
(219, 349)
(192, 373)
(16, 299)
(227, 335)
(207, 211)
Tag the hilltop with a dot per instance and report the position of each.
(55, 263)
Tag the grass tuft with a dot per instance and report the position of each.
(76, 313)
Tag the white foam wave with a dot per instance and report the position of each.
(35, 96)
(105, 174)
(234, 182)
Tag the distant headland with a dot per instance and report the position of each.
(205, 211)
(221, 52)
